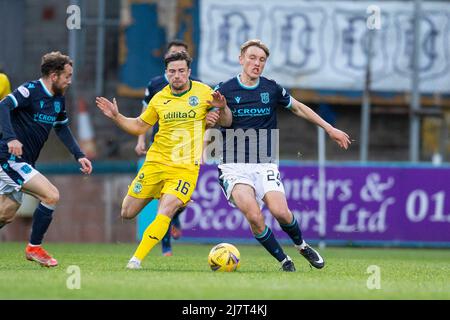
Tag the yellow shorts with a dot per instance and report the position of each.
(154, 179)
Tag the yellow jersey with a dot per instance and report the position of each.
(5, 87)
(181, 117)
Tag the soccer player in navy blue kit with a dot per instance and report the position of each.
(249, 173)
(27, 116)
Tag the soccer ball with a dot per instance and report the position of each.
(224, 257)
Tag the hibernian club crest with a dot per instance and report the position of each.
(193, 101)
(265, 97)
(137, 187)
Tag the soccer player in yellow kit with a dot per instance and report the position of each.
(5, 87)
(172, 163)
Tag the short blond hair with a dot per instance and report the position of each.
(257, 43)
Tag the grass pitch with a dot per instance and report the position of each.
(404, 274)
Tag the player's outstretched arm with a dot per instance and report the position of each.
(302, 110)
(140, 147)
(134, 126)
(225, 116)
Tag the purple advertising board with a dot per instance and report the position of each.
(363, 204)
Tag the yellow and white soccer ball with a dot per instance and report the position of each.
(224, 257)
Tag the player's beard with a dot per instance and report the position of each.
(58, 90)
(180, 86)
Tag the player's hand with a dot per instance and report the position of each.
(109, 109)
(140, 148)
(211, 118)
(341, 138)
(218, 100)
(15, 147)
(86, 165)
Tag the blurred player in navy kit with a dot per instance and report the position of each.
(155, 85)
(27, 116)
(248, 180)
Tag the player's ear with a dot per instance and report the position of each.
(189, 73)
(241, 60)
(53, 76)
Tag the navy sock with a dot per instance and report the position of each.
(267, 239)
(165, 242)
(42, 218)
(176, 221)
(176, 218)
(293, 230)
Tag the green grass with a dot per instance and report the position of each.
(405, 274)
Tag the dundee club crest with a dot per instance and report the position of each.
(57, 106)
(265, 97)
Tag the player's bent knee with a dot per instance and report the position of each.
(282, 214)
(126, 213)
(8, 213)
(52, 197)
(6, 220)
(256, 220)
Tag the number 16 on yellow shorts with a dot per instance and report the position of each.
(155, 179)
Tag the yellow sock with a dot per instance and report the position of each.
(152, 235)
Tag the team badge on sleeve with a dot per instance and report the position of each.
(137, 187)
(24, 91)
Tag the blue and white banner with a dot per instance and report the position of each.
(323, 44)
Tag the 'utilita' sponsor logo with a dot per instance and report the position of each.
(177, 115)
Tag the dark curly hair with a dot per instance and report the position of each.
(54, 62)
(178, 56)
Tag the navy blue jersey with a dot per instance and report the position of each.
(154, 86)
(254, 112)
(34, 111)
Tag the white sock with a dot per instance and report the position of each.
(302, 245)
(134, 259)
(285, 259)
